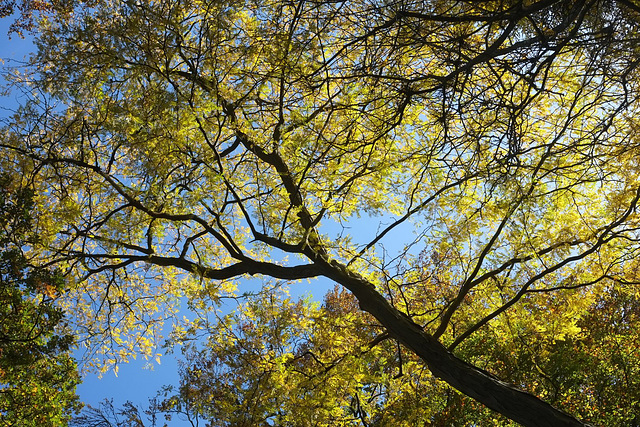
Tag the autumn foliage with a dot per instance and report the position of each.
(465, 171)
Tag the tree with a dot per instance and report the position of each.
(25, 13)
(277, 361)
(38, 377)
(106, 415)
(193, 144)
(282, 362)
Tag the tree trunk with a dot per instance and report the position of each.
(502, 397)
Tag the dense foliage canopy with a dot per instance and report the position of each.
(38, 377)
(467, 172)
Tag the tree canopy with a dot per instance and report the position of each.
(38, 377)
(465, 171)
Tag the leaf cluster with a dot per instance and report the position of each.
(37, 374)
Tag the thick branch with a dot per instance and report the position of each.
(246, 266)
(502, 397)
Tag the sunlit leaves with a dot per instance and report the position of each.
(38, 376)
(188, 145)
